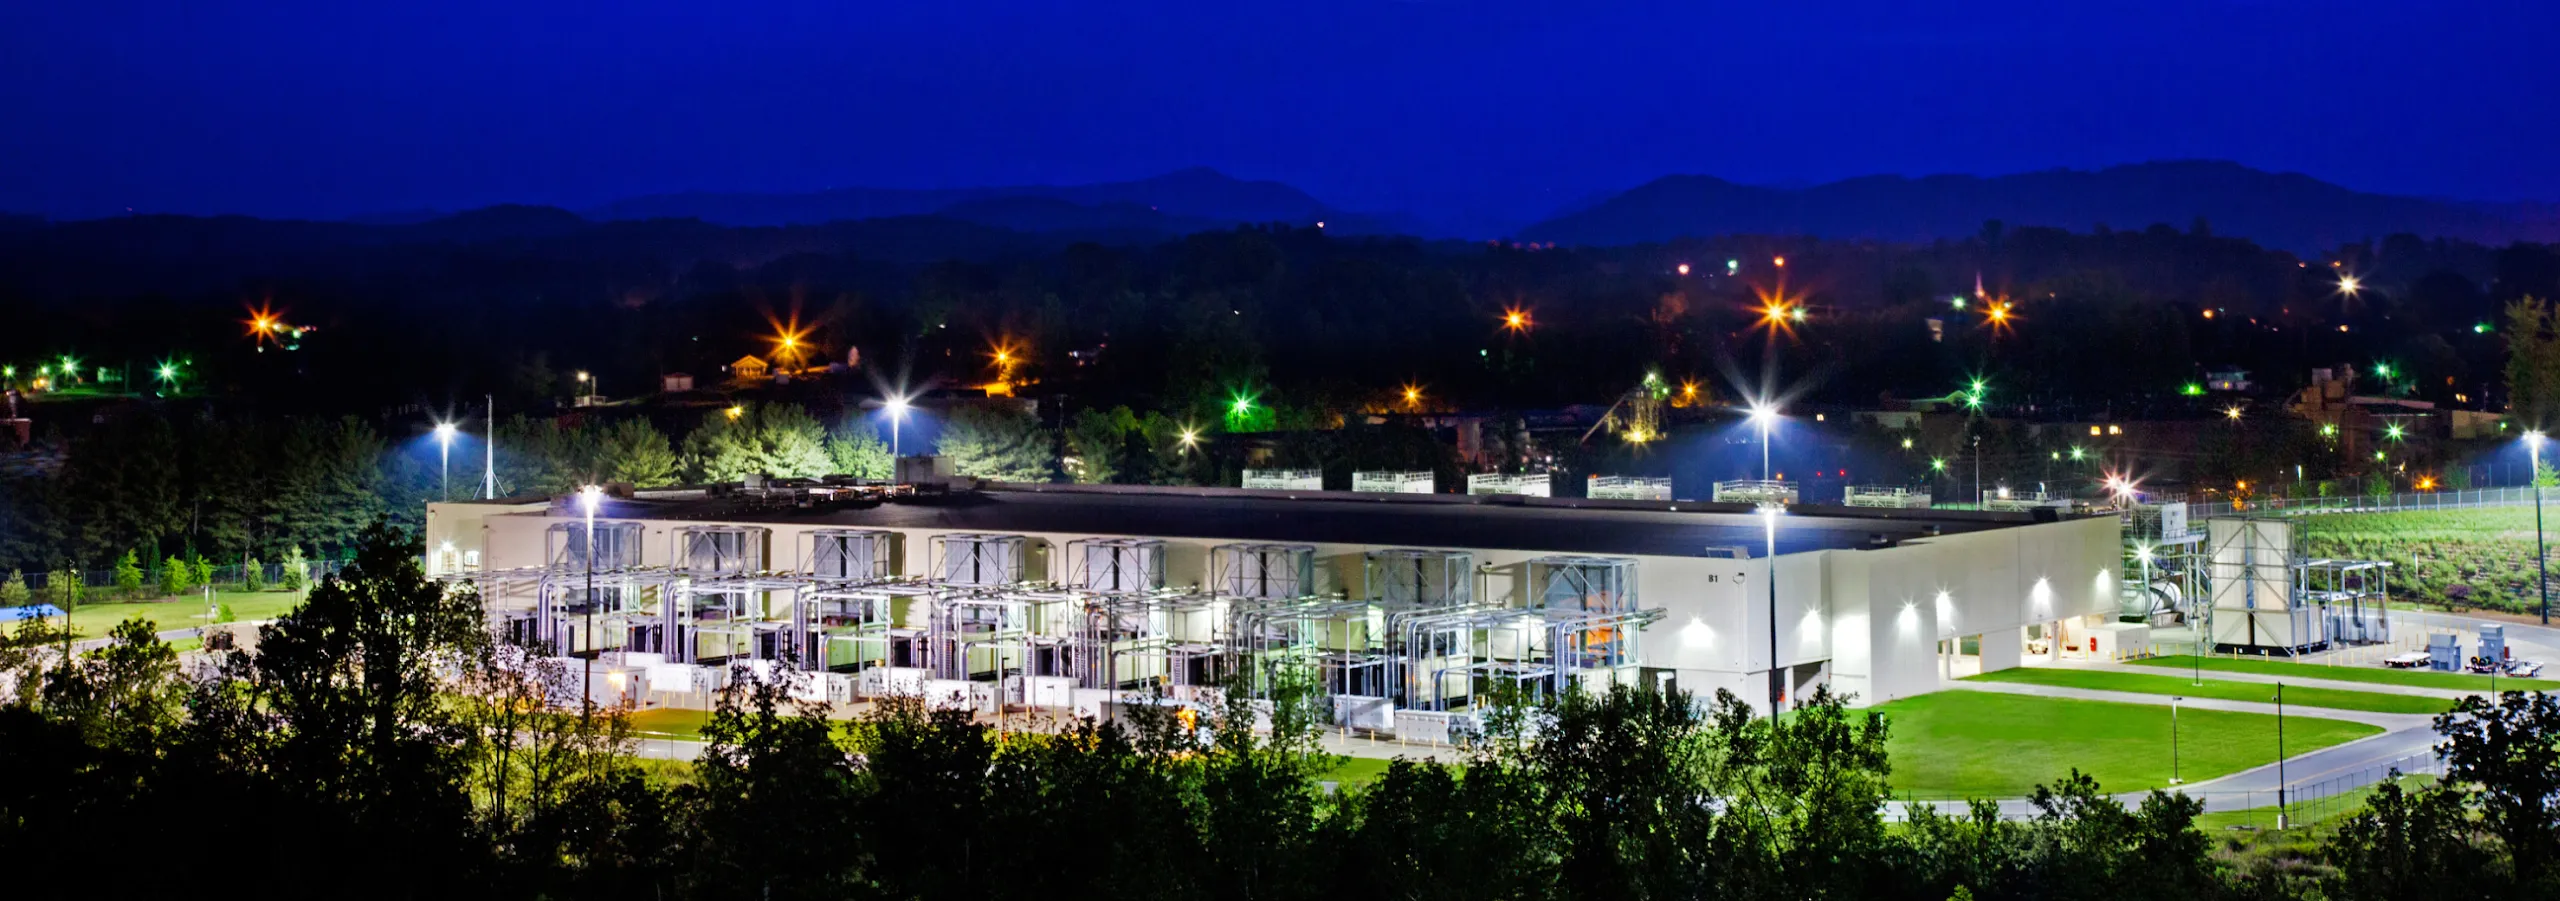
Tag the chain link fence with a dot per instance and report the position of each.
(99, 585)
(2372, 503)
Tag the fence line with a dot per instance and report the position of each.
(99, 586)
(2422, 500)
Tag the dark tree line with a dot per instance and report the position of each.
(377, 741)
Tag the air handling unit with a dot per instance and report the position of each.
(1284, 479)
(1413, 482)
(1628, 488)
(1536, 484)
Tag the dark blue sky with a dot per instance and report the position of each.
(1449, 108)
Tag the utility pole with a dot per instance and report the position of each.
(1777, 676)
(489, 465)
(2281, 810)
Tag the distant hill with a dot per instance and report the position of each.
(1186, 200)
(2285, 210)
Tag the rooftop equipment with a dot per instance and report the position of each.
(852, 553)
(1284, 479)
(1629, 488)
(1755, 491)
(1414, 482)
(1263, 571)
(1116, 565)
(1887, 496)
(1535, 484)
(980, 560)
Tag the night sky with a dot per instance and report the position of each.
(1455, 110)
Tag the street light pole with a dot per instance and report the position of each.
(1777, 677)
(897, 413)
(444, 457)
(2541, 553)
(1977, 470)
(2281, 820)
(2173, 739)
(489, 470)
(587, 498)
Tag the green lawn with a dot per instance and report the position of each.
(1357, 771)
(2144, 683)
(2380, 675)
(1971, 744)
(94, 620)
(669, 722)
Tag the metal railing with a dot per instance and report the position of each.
(2370, 503)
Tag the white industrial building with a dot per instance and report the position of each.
(1405, 606)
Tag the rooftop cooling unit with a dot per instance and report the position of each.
(1415, 482)
(1629, 488)
(852, 553)
(979, 560)
(1116, 565)
(1266, 571)
(1536, 484)
(1284, 479)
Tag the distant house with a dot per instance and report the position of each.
(750, 369)
(675, 383)
(2227, 379)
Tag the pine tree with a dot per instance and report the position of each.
(253, 575)
(14, 593)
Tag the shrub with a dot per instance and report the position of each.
(176, 577)
(253, 576)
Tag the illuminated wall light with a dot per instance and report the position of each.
(1908, 621)
(1697, 634)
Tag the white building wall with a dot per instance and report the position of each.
(1870, 619)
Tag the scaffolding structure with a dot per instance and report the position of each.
(2165, 566)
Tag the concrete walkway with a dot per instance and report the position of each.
(2380, 688)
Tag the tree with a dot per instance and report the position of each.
(634, 452)
(2533, 362)
(175, 577)
(64, 587)
(128, 574)
(2508, 753)
(2409, 844)
(1004, 444)
(793, 443)
(253, 575)
(780, 440)
(856, 450)
(14, 593)
(120, 691)
(297, 570)
(201, 570)
(1097, 439)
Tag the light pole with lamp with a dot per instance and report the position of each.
(590, 384)
(588, 498)
(444, 457)
(1769, 513)
(1764, 416)
(2541, 554)
(897, 407)
(2173, 739)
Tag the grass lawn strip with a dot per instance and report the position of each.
(2375, 674)
(1969, 744)
(2259, 692)
(96, 620)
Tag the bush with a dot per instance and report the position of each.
(128, 574)
(253, 577)
(176, 577)
(14, 593)
(297, 570)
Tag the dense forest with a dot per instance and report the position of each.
(379, 742)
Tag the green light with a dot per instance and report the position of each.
(1973, 401)
(2192, 390)
(2328, 430)
(2394, 432)
(2480, 328)
(168, 372)
(8, 372)
(1732, 266)
(2377, 456)
(2057, 455)
(1977, 386)
(1906, 444)
(1798, 313)
(1938, 463)
(1956, 302)
(1244, 405)
(2382, 370)
(2077, 453)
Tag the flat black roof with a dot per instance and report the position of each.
(1558, 525)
